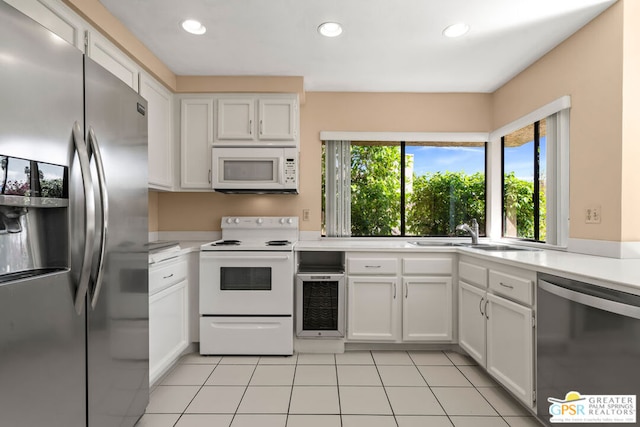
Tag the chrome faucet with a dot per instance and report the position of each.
(473, 230)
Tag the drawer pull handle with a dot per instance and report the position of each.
(166, 277)
(506, 286)
(372, 266)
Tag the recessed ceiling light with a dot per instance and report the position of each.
(194, 27)
(456, 30)
(330, 29)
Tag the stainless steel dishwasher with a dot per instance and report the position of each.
(587, 340)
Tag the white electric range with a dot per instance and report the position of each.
(246, 287)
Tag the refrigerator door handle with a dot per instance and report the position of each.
(94, 149)
(90, 216)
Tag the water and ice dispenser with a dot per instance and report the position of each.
(34, 224)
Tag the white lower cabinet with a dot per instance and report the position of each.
(510, 346)
(427, 309)
(472, 334)
(372, 308)
(168, 316)
(408, 298)
(496, 327)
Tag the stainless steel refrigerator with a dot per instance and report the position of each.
(73, 227)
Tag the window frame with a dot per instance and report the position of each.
(557, 114)
(382, 137)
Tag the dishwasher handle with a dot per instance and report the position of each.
(582, 295)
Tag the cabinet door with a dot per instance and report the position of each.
(277, 119)
(372, 309)
(159, 128)
(235, 119)
(55, 17)
(168, 328)
(196, 134)
(113, 59)
(510, 346)
(427, 309)
(471, 321)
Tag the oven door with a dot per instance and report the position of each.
(246, 283)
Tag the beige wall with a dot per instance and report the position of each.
(587, 66)
(153, 211)
(631, 122)
(330, 112)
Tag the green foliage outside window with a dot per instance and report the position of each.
(375, 190)
(441, 201)
(518, 207)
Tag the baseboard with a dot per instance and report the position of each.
(605, 248)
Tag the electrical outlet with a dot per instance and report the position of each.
(306, 213)
(592, 215)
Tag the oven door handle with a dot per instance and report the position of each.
(590, 300)
(261, 258)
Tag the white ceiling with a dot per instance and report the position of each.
(386, 45)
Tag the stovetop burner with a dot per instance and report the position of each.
(278, 243)
(226, 243)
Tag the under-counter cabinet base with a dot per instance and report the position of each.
(246, 335)
(399, 298)
(496, 323)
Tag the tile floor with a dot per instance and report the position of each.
(354, 389)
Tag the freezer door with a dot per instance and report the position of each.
(42, 361)
(42, 338)
(118, 301)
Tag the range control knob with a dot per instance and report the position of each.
(237, 220)
(289, 221)
(259, 220)
(229, 220)
(282, 220)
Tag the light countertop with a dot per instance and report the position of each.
(621, 274)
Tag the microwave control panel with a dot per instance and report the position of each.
(290, 170)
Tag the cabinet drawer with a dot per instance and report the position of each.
(516, 288)
(427, 266)
(372, 265)
(473, 274)
(166, 274)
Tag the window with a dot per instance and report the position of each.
(535, 178)
(524, 174)
(402, 188)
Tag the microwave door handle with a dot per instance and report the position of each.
(281, 174)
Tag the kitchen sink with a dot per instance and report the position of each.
(492, 247)
(428, 243)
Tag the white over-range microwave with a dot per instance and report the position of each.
(255, 170)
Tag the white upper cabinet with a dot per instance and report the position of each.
(270, 119)
(196, 134)
(113, 59)
(56, 17)
(159, 118)
(277, 119)
(235, 119)
(62, 21)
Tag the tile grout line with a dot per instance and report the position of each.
(431, 388)
(293, 381)
(384, 388)
(201, 387)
